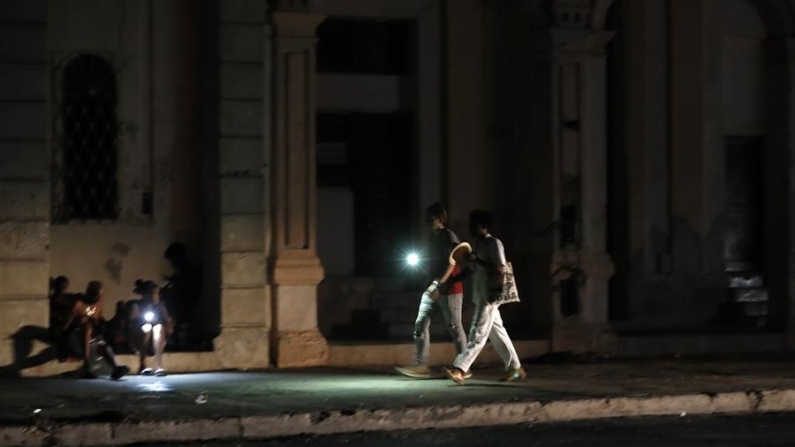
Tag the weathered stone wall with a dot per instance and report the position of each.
(24, 170)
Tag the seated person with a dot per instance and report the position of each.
(61, 304)
(117, 328)
(149, 326)
(182, 294)
(84, 327)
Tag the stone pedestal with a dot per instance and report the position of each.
(295, 267)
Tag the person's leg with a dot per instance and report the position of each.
(140, 342)
(107, 353)
(159, 343)
(87, 335)
(119, 370)
(478, 335)
(422, 336)
(450, 305)
(419, 368)
(502, 343)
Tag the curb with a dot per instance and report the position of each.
(345, 421)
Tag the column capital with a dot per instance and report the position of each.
(292, 23)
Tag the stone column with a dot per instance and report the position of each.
(24, 171)
(241, 185)
(296, 268)
(582, 169)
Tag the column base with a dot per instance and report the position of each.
(580, 337)
(243, 348)
(299, 349)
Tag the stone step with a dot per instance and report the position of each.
(746, 280)
(749, 295)
(754, 308)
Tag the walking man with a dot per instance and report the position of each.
(447, 298)
(486, 265)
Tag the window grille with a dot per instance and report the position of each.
(87, 139)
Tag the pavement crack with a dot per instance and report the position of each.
(757, 397)
(320, 417)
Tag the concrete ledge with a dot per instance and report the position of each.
(326, 422)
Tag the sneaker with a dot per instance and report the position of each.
(119, 372)
(415, 372)
(455, 374)
(514, 375)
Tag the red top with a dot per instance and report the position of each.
(451, 287)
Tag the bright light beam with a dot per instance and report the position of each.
(412, 259)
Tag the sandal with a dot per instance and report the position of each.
(160, 372)
(145, 372)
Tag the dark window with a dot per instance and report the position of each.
(363, 46)
(89, 140)
(333, 149)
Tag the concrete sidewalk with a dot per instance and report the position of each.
(227, 405)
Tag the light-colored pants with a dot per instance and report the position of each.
(450, 305)
(487, 325)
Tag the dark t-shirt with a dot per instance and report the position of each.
(440, 244)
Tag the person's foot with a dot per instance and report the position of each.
(88, 374)
(514, 375)
(160, 372)
(415, 372)
(455, 374)
(468, 375)
(145, 371)
(119, 372)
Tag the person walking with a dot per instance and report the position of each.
(486, 266)
(447, 298)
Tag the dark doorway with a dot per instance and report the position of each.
(370, 153)
(742, 241)
(743, 237)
